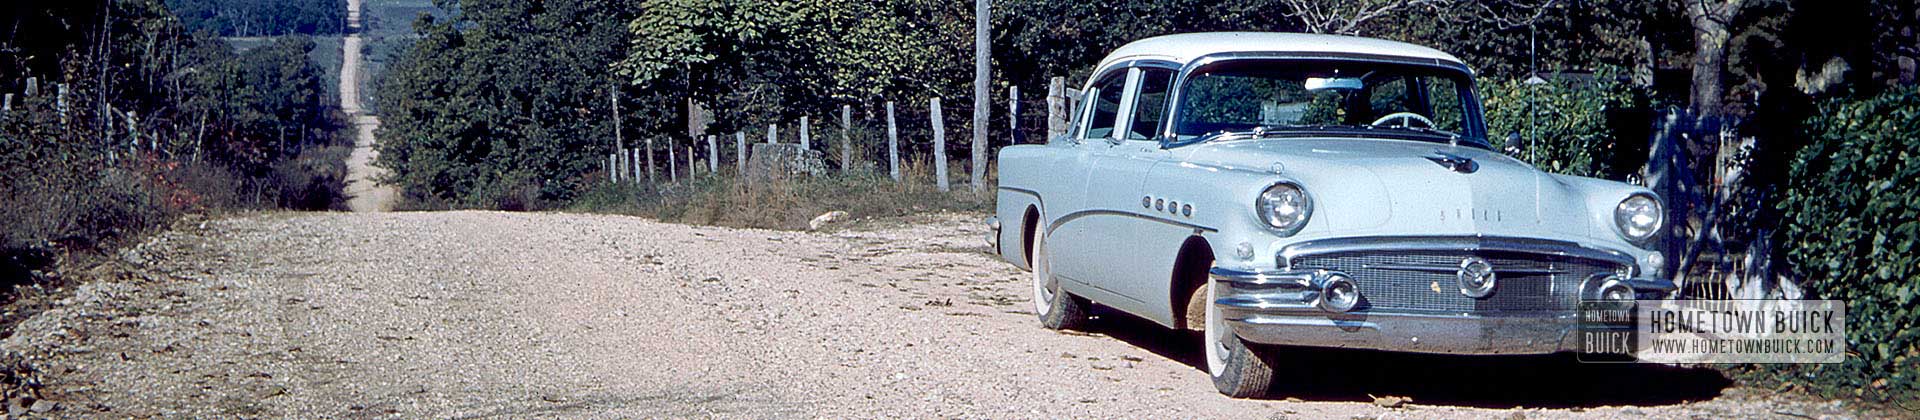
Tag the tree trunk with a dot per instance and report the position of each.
(1709, 56)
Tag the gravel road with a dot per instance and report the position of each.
(517, 315)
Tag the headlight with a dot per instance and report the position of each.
(1285, 207)
(1639, 217)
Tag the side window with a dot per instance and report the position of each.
(1150, 105)
(1105, 100)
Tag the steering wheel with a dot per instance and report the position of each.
(1406, 119)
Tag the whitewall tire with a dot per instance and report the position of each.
(1238, 370)
(1057, 309)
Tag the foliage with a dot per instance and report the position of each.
(156, 122)
(1851, 226)
(1562, 125)
(506, 97)
(262, 17)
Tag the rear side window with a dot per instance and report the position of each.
(1105, 100)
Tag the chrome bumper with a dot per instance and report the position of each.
(993, 233)
(1284, 307)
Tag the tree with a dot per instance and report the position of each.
(1710, 19)
(1351, 17)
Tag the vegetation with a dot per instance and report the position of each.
(780, 202)
(1852, 222)
(156, 121)
(262, 17)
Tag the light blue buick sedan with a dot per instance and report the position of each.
(1312, 190)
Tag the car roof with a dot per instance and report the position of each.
(1185, 48)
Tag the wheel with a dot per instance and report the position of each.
(1058, 310)
(1238, 370)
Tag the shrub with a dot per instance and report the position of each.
(1851, 227)
(315, 180)
(1569, 122)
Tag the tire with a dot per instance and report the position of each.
(1057, 309)
(1238, 369)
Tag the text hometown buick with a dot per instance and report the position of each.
(1312, 190)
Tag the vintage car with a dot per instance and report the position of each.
(1312, 190)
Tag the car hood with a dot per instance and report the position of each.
(1399, 187)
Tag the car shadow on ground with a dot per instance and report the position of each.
(1549, 381)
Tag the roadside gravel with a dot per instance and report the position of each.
(516, 315)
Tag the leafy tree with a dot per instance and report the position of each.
(506, 102)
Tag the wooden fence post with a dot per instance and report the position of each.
(982, 95)
(773, 133)
(1056, 108)
(619, 143)
(713, 155)
(740, 153)
(893, 145)
(60, 104)
(1013, 112)
(613, 167)
(673, 163)
(806, 143)
(939, 148)
(33, 87)
(633, 158)
(692, 169)
(650, 178)
(8, 107)
(846, 138)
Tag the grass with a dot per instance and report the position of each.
(785, 203)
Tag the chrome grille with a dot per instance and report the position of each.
(1527, 282)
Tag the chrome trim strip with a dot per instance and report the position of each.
(1062, 221)
(1425, 268)
(1451, 243)
(1035, 194)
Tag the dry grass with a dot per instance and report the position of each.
(789, 202)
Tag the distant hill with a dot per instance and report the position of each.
(246, 18)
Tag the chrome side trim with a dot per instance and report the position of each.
(1035, 194)
(1062, 221)
(1452, 243)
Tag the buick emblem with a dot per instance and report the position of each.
(1476, 277)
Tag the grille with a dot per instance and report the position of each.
(1402, 288)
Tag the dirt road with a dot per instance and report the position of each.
(481, 314)
(364, 195)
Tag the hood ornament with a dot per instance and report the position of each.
(1453, 162)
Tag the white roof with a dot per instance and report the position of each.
(1184, 48)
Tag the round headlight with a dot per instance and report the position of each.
(1285, 207)
(1639, 217)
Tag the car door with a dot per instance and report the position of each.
(1134, 235)
(1146, 229)
(1071, 240)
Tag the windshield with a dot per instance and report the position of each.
(1327, 97)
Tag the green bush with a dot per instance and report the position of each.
(1852, 228)
(1569, 121)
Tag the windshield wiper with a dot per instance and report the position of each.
(1259, 132)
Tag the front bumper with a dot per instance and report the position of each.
(1285, 307)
